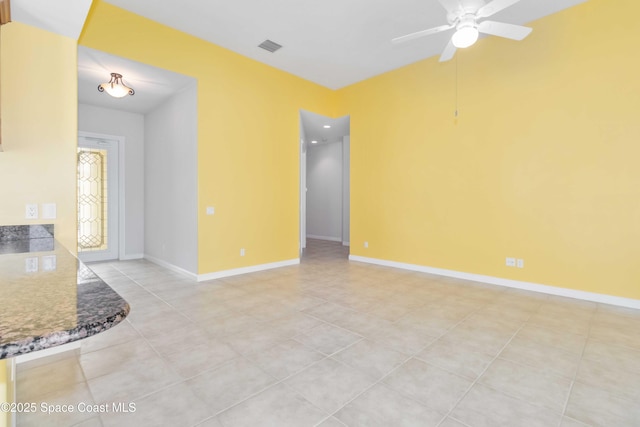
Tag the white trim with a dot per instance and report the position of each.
(47, 352)
(346, 244)
(331, 239)
(170, 266)
(131, 256)
(546, 289)
(245, 270)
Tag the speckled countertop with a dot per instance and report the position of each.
(48, 298)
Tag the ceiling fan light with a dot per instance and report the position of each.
(465, 37)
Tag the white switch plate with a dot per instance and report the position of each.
(210, 210)
(366, 244)
(31, 264)
(31, 211)
(49, 211)
(511, 262)
(242, 252)
(49, 263)
(520, 263)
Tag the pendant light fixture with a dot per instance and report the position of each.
(115, 87)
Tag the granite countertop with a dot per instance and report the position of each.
(49, 298)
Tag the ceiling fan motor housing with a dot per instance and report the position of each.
(466, 31)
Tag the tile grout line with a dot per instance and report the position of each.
(413, 355)
(158, 354)
(278, 381)
(575, 375)
(283, 380)
(497, 357)
(395, 369)
(333, 284)
(141, 336)
(476, 381)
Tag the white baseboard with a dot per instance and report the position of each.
(546, 289)
(329, 238)
(170, 266)
(131, 256)
(245, 270)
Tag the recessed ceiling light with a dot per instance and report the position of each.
(327, 126)
(314, 142)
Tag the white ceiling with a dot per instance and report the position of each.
(151, 85)
(314, 129)
(67, 19)
(331, 42)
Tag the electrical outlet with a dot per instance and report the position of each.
(31, 212)
(511, 262)
(520, 263)
(242, 252)
(211, 210)
(366, 244)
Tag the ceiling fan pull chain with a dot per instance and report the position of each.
(455, 114)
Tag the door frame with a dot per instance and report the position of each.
(303, 196)
(119, 140)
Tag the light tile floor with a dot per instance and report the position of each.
(334, 343)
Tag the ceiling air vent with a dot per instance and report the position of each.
(270, 46)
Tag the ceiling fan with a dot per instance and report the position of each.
(468, 24)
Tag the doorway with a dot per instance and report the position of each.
(324, 179)
(98, 197)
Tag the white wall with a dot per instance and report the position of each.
(324, 195)
(171, 182)
(131, 127)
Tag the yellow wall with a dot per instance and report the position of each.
(542, 163)
(248, 115)
(39, 127)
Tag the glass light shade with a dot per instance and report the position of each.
(465, 37)
(115, 87)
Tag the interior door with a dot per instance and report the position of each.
(97, 198)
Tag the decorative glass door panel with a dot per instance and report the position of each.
(97, 198)
(92, 201)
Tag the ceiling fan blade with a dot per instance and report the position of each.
(500, 29)
(448, 52)
(422, 33)
(494, 7)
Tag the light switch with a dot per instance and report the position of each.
(210, 210)
(49, 263)
(49, 211)
(31, 265)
